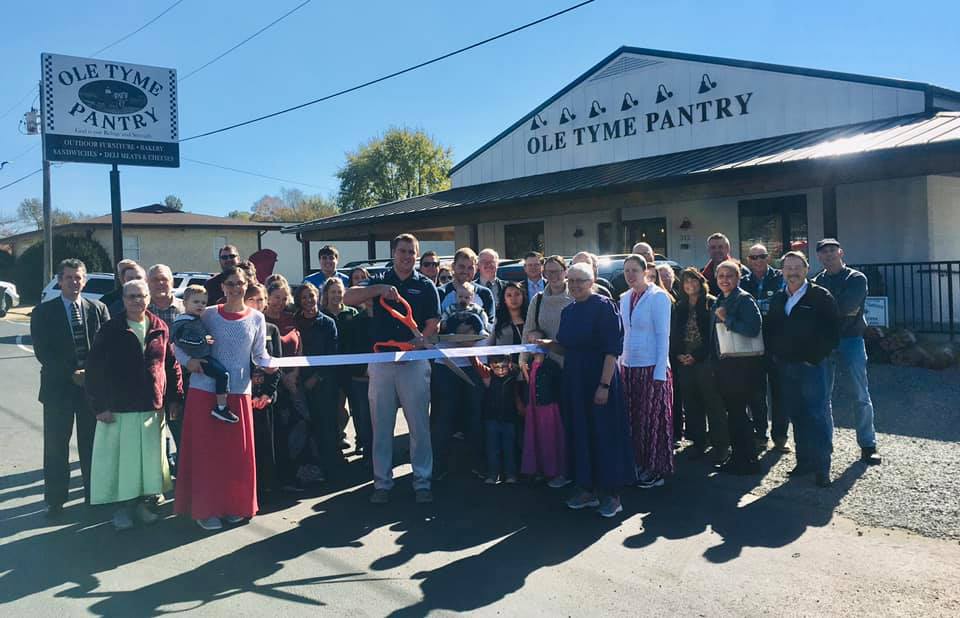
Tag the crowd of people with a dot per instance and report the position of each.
(612, 377)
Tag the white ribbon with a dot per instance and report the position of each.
(334, 360)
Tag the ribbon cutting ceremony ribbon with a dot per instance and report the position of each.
(334, 360)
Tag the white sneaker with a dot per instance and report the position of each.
(583, 500)
(558, 482)
(233, 519)
(210, 524)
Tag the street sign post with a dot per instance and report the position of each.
(103, 111)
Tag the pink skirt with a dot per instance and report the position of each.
(544, 441)
(216, 465)
(650, 407)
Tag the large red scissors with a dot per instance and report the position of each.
(407, 320)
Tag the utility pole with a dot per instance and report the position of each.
(47, 218)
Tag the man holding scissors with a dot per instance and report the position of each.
(404, 384)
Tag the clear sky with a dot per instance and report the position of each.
(462, 102)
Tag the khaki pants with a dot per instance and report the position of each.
(406, 385)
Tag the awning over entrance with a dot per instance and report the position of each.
(918, 134)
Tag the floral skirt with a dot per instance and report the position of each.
(650, 407)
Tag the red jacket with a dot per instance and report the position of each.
(122, 377)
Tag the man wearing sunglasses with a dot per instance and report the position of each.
(762, 282)
(430, 266)
(229, 256)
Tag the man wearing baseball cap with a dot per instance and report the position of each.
(849, 288)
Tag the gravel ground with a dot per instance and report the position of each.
(917, 487)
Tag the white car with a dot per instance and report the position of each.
(10, 296)
(183, 279)
(97, 285)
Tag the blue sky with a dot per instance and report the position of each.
(461, 102)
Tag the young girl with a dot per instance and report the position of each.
(544, 444)
(501, 409)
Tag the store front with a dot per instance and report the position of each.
(669, 148)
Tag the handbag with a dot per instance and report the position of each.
(735, 345)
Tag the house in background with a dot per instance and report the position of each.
(157, 234)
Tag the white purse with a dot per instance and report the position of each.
(735, 345)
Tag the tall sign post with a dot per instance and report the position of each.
(102, 111)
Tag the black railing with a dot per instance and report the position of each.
(921, 296)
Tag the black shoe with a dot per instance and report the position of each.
(823, 479)
(53, 511)
(740, 467)
(869, 456)
(224, 414)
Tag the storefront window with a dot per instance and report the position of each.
(606, 243)
(651, 231)
(779, 223)
(521, 238)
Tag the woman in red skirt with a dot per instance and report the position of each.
(217, 478)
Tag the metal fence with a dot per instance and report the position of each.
(921, 296)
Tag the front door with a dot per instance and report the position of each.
(651, 231)
(779, 223)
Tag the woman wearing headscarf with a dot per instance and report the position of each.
(647, 379)
(590, 337)
(131, 373)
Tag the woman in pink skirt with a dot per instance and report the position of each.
(217, 478)
(647, 381)
(544, 441)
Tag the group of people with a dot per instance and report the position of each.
(612, 375)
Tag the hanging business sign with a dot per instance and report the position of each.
(101, 111)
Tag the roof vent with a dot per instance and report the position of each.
(625, 65)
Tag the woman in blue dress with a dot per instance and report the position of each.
(591, 339)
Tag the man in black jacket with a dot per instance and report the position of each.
(802, 329)
(62, 331)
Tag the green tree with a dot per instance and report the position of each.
(30, 212)
(292, 205)
(401, 164)
(174, 202)
(29, 269)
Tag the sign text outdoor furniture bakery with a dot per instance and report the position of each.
(101, 111)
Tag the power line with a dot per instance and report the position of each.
(249, 38)
(386, 77)
(249, 173)
(18, 103)
(125, 37)
(22, 178)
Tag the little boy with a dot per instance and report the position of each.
(502, 408)
(465, 317)
(191, 336)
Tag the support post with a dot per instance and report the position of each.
(474, 236)
(47, 226)
(371, 247)
(116, 218)
(304, 255)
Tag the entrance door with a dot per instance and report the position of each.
(651, 231)
(521, 238)
(779, 223)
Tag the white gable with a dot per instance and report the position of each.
(639, 105)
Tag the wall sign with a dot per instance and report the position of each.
(101, 111)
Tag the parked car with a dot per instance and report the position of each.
(98, 284)
(182, 279)
(608, 267)
(10, 296)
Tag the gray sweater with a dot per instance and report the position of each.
(551, 306)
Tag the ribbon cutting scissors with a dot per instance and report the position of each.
(407, 320)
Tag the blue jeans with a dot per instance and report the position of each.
(453, 400)
(852, 355)
(805, 396)
(212, 368)
(501, 445)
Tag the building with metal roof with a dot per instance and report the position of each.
(669, 147)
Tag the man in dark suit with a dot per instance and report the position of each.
(62, 331)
